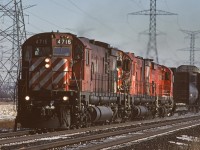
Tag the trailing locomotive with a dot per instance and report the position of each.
(186, 88)
(68, 81)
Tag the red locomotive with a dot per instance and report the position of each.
(68, 81)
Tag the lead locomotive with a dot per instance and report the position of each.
(67, 81)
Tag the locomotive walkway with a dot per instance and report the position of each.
(173, 125)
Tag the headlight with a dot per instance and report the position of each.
(47, 65)
(65, 98)
(47, 60)
(27, 98)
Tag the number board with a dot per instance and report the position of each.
(41, 41)
(63, 41)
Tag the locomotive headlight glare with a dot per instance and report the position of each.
(47, 65)
(27, 98)
(65, 98)
(47, 60)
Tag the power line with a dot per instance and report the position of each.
(152, 51)
(49, 22)
(192, 35)
(63, 6)
(97, 20)
(12, 35)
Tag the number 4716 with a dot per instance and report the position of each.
(64, 41)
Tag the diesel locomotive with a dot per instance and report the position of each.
(70, 82)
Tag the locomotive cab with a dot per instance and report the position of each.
(50, 80)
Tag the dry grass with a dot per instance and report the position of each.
(195, 146)
(7, 124)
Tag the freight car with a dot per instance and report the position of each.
(186, 88)
(68, 82)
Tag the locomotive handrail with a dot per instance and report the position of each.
(76, 81)
(101, 89)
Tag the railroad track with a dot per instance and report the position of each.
(141, 137)
(14, 134)
(71, 137)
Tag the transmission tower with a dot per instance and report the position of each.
(192, 35)
(12, 35)
(152, 51)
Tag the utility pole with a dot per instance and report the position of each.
(12, 35)
(152, 51)
(192, 35)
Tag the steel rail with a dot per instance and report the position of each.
(141, 137)
(44, 135)
(13, 134)
(67, 142)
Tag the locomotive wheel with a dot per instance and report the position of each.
(86, 120)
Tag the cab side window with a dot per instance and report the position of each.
(28, 53)
(167, 75)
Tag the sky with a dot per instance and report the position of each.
(107, 21)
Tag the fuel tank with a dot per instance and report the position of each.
(140, 111)
(100, 113)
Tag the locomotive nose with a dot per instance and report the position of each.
(49, 73)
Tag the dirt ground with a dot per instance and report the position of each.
(6, 103)
(6, 124)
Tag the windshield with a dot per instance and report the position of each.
(42, 51)
(61, 51)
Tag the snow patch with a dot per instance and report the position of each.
(188, 138)
(7, 112)
(178, 143)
